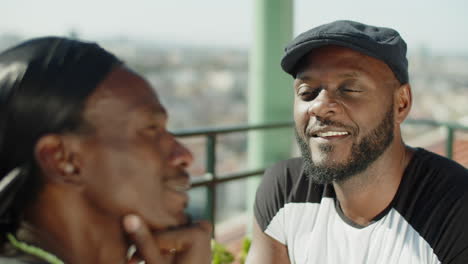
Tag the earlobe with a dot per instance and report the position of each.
(403, 102)
(57, 163)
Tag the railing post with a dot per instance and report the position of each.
(449, 142)
(211, 169)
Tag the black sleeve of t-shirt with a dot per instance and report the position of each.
(460, 237)
(274, 189)
(462, 258)
(433, 198)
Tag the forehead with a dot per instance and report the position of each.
(122, 97)
(344, 61)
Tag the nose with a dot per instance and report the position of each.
(324, 105)
(181, 156)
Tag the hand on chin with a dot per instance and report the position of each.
(189, 243)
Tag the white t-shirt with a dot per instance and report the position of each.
(427, 222)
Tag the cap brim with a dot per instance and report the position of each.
(292, 57)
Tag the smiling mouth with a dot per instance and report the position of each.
(178, 191)
(178, 187)
(330, 134)
(178, 183)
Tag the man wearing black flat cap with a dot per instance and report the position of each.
(358, 194)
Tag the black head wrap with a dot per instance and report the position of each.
(44, 83)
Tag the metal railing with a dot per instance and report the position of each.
(211, 135)
(449, 127)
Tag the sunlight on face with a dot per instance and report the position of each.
(134, 164)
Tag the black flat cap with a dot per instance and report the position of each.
(381, 43)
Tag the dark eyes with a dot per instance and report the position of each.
(155, 128)
(309, 94)
(350, 86)
(350, 91)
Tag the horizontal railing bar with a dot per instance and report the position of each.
(436, 123)
(227, 178)
(284, 124)
(231, 129)
(240, 128)
(213, 180)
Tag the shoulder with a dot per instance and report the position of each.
(284, 183)
(440, 175)
(274, 189)
(432, 163)
(433, 198)
(292, 167)
(432, 174)
(433, 179)
(281, 176)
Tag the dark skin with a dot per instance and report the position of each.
(348, 87)
(120, 180)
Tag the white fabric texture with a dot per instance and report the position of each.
(315, 233)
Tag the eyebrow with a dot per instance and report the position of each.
(155, 112)
(304, 76)
(352, 74)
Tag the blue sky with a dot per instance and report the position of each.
(441, 26)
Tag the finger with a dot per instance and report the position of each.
(200, 250)
(181, 238)
(191, 244)
(135, 258)
(140, 234)
(134, 261)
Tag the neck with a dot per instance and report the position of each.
(365, 195)
(62, 223)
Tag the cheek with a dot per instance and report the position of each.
(301, 115)
(122, 181)
(366, 119)
(123, 193)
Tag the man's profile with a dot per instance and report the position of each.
(358, 194)
(88, 168)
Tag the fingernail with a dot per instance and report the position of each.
(132, 223)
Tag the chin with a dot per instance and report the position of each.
(182, 218)
(175, 219)
(331, 155)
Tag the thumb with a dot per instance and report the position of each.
(142, 237)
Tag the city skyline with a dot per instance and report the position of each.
(435, 25)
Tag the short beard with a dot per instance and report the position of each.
(363, 154)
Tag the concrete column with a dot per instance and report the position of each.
(270, 89)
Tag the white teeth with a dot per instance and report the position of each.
(331, 133)
(180, 188)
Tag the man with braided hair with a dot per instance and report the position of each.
(87, 166)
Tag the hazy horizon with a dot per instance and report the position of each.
(437, 26)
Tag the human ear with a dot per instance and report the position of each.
(57, 160)
(403, 102)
